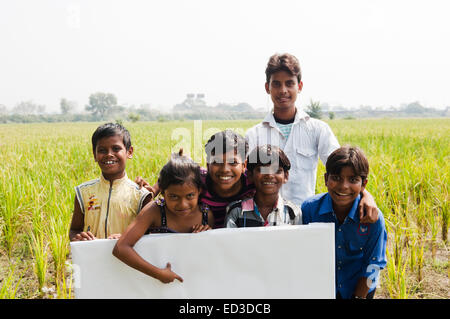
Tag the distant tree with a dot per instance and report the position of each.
(331, 115)
(133, 117)
(66, 106)
(314, 110)
(28, 107)
(101, 103)
(415, 107)
(243, 107)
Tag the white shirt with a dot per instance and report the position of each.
(309, 139)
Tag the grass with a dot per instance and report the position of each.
(41, 164)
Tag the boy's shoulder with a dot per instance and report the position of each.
(135, 186)
(313, 200)
(237, 204)
(89, 183)
(295, 208)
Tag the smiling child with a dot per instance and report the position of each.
(180, 211)
(360, 247)
(268, 168)
(104, 207)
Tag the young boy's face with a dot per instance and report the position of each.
(225, 171)
(344, 187)
(268, 179)
(111, 155)
(283, 89)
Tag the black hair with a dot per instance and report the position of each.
(111, 129)
(283, 62)
(224, 142)
(178, 170)
(265, 155)
(348, 156)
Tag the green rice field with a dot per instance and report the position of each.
(41, 164)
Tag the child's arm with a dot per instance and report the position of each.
(125, 252)
(367, 204)
(76, 232)
(362, 289)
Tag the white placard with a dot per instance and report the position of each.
(254, 263)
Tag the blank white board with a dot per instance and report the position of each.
(253, 263)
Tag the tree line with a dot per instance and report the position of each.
(104, 106)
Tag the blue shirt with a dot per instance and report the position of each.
(360, 248)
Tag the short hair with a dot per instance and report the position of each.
(265, 155)
(348, 156)
(178, 170)
(283, 62)
(224, 142)
(111, 129)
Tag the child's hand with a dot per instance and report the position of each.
(368, 211)
(114, 236)
(83, 236)
(199, 228)
(166, 275)
(143, 183)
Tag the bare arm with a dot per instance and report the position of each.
(124, 250)
(361, 288)
(76, 232)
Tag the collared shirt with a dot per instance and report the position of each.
(308, 140)
(360, 248)
(245, 214)
(109, 208)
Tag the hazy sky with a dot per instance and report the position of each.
(352, 53)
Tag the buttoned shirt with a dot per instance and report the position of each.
(109, 208)
(246, 214)
(360, 248)
(309, 140)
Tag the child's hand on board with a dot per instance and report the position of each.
(199, 228)
(83, 236)
(114, 236)
(166, 275)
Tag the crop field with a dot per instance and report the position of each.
(41, 163)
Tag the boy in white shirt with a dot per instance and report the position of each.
(302, 138)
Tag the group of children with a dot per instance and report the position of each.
(238, 188)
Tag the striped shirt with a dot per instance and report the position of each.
(285, 129)
(218, 204)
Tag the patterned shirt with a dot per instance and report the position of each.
(245, 214)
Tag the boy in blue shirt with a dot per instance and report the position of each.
(360, 247)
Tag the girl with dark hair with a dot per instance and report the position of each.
(179, 211)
